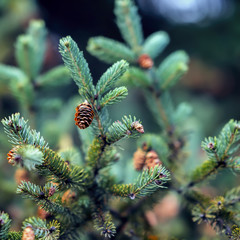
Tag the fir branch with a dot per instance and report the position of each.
(38, 33)
(172, 69)
(42, 230)
(114, 96)
(77, 65)
(110, 51)
(65, 175)
(110, 77)
(5, 224)
(20, 133)
(103, 223)
(30, 49)
(59, 75)
(147, 183)
(222, 148)
(136, 77)
(41, 196)
(232, 196)
(128, 22)
(207, 169)
(155, 43)
(119, 130)
(8, 73)
(15, 235)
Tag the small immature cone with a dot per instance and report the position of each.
(14, 158)
(68, 197)
(21, 174)
(84, 115)
(145, 61)
(138, 126)
(51, 191)
(152, 160)
(139, 159)
(28, 234)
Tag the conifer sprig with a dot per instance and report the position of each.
(66, 175)
(119, 130)
(147, 183)
(220, 151)
(77, 65)
(109, 78)
(114, 96)
(103, 223)
(129, 24)
(42, 198)
(5, 224)
(110, 51)
(20, 133)
(42, 229)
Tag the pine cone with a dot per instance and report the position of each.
(84, 115)
(68, 197)
(145, 61)
(28, 234)
(21, 174)
(14, 158)
(41, 213)
(139, 159)
(152, 159)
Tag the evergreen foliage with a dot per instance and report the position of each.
(72, 192)
(157, 82)
(78, 188)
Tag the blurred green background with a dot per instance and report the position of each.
(208, 30)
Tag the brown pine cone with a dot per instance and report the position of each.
(139, 159)
(68, 197)
(21, 174)
(152, 159)
(41, 213)
(84, 115)
(28, 234)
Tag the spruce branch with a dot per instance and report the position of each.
(15, 235)
(172, 69)
(20, 133)
(9, 73)
(110, 51)
(114, 96)
(147, 183)
(136, 77)
(41, 196)
(42, 229)
(119, 130)
(77, 65)
(110, 77)
(57, 76)
(5, 224)
(30, 49)
(155, 43)
(67, 176)
(103, 223)
(220, 151)
(128, 22)
(232, 197)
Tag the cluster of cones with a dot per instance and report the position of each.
(145, 158)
